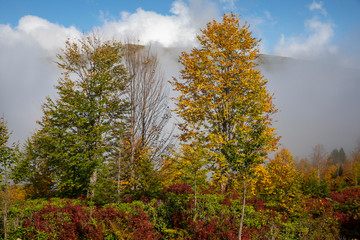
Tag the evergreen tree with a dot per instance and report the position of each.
(342, 156)
(334, 156)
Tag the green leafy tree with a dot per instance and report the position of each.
(34, 170)
(224, 102)
(81, 129)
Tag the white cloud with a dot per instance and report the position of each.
(178, 29)
(317, 6)
(229, 5)
(27, 69)
(316, 43)
(268, 15)
(48, 35)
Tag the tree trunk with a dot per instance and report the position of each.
(5, 219)
(195, 202)
(132, 160)
(93, 179)
(118, 179)
(6, 198)
(243, 209)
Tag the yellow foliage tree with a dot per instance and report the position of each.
(224, 102)
(279, 182)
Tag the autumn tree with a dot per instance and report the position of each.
(190, 164)
(78, 130)
(223, 101)
(280, 182)
(355, 165)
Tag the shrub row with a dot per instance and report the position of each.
(173, 216)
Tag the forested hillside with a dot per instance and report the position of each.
(105, 164)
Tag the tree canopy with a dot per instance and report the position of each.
(223, 99)
(79, 127)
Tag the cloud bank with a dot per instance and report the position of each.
(316, 95)
(27, 71)
(28, 51)
(315, 45)
(178, 29)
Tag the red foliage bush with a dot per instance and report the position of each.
(347, 196)
(82, 222)
(230, 196)
(219, 227)
(69, 222)
(257, 203)
(347, 207)
(141, 227)
(179, 188)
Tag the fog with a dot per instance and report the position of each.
(317, 102)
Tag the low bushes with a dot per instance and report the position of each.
(173, 215)
(73, 219)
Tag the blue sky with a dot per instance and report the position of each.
(271, 20)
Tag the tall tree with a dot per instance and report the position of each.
(146, 140)
(342, 156)
(334, 156)
(78, 128)
(224, 102)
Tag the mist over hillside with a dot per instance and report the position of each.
(318, 103)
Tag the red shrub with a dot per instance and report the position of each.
(142, 228)
(256, 202)
(347, 206)
(220, 227)
(347, 196)
(82, 222)
(230, 196)
(179, 188)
